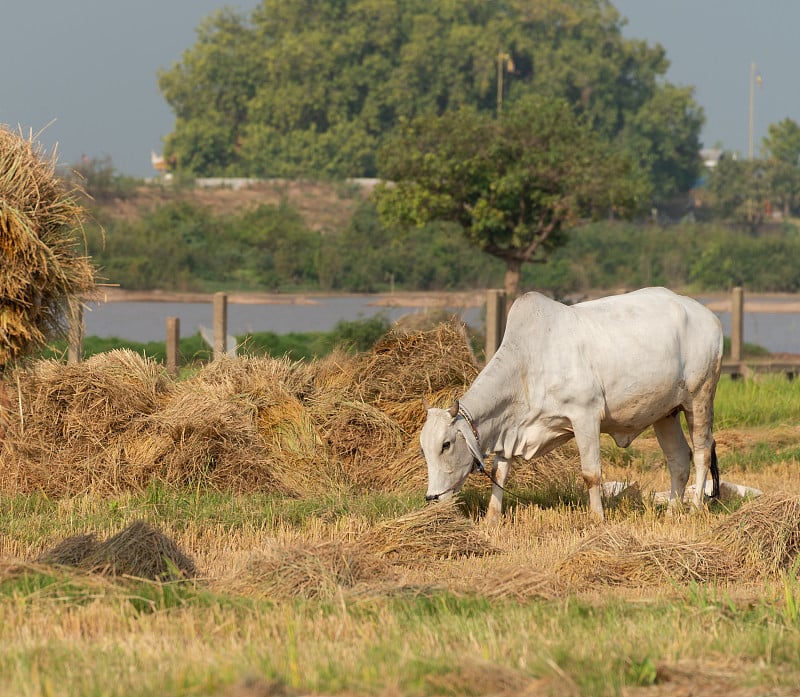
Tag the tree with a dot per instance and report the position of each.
(514, 184)
(783, 142)
(782, 148)
(740, 191)
(316, 87)
(664, 136)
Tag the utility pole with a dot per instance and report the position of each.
(752, 110)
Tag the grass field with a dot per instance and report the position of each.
(360, 592)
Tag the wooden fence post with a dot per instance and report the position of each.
(737, 324)
(220, 324)
(75, 337)
(173, 344)
(495, 321)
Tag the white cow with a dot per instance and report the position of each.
(615, 365)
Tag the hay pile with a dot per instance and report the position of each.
(612, 555)
(44, 273)
(367, 409)
(118, 421)
(434, 532)
(764, 534)
(140, 551)
(80, 427)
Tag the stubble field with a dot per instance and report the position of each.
(289, 501)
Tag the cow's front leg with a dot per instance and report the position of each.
(499, 474)
(587, 438)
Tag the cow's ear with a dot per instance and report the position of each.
(453, 410)
(426, 403)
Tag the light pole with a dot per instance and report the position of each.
(752, 111)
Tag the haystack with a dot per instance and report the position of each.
(212, 438)
(440, 531)
(764, 534)
(80, 427)
(45, 271)
(403, 367)
(613, 555)
(367, 408)
(140, 551)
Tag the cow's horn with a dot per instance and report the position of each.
(453, 410)
(426, 403)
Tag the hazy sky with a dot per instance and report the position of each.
(85, 70)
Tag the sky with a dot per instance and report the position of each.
(82, 75)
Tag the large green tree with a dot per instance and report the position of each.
(315, 87)
(515, 184)
(740, 191)
(782, 148)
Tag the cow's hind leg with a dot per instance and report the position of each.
(672, 441)
(700, 419)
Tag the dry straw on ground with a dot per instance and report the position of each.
(613, 555)
(440, 531)
(309, 570)
(45, 270)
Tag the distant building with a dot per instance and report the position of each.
(711, 156)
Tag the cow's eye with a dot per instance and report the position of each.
(446, 445)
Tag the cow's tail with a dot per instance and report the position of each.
(714, 471)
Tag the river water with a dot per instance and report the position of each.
(146, 321)
(778, 332)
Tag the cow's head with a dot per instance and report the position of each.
(449, 449)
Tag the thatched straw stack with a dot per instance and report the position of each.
(44, 274)
(140, 550)
(614, 556)
(764, 534)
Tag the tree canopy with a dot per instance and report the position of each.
(515, 184)
(316, 87)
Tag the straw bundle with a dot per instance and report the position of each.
(614, 556)
(439, 531)
(101, 393)
(76, 423)
(310, 570)
(139, 550)
(118, 421)
(44, 276)
(367, 409)
(213, 438)
(764, 534)
(404, 367)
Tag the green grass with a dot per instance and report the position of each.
(768, 400)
